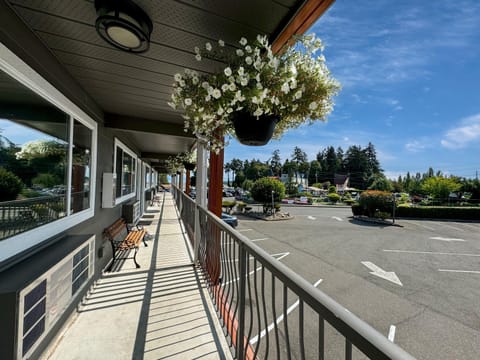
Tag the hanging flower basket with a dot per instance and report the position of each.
(293, 85)
(252, 130)
(189, 166)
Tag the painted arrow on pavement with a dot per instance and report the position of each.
(445, 239)
(387, 275)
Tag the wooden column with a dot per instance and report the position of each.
(187, 182)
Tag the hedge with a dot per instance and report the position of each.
(439, 212)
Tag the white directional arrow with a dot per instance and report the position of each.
(311, 218)
(337, 218)
(445, 239)
(387, 275)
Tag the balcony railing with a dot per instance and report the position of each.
(22, 215)
(269, 311)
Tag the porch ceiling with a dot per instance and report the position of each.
(132, 90)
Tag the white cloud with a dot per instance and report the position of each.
(464, 134)
(415, 146)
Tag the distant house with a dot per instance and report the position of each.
(341, 182)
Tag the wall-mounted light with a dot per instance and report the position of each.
(123, 24)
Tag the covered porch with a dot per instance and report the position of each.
(62, 80)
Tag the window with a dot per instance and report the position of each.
(125, 168)
(47, 155)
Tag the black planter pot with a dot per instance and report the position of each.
(189, 166)
(251, 130)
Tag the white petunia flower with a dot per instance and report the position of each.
(195, 80)
(298, 94)
(208, 46)
(221, 43)
(227, 71)
(313, 105)
(240, 52)
(243, 41)
(197, 50)
(172, 105)
(232, 87)
(241, 71)
(248, 60)
(258, 112)
(225, 87)
(248, 49)
(216, 94)
(285, 88)
(208, 98)
(188, 101)
(198, 57)
(244, 82)
(177, 77)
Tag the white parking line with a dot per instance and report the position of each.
(430, 253)
(460, 271)
(311, 217)
(337, 218)
(446, 239)
(391, 333)
(242, 230)
(279, 319)
(262, 239)
(282, 255)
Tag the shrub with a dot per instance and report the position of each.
(262, 191)
(373, 201)
(349, 201)
(228, 205)
(333, 197)
(10, 185)
(306, 194)
(382, 215)
(332, 189)
(357, 210)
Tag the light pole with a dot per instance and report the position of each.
(273, 204)
(394, 204)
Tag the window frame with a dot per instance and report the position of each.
(12, 65)
(118, 144)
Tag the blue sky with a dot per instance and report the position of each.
(410, 74)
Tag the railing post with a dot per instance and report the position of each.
(201, 193)
(242, 261)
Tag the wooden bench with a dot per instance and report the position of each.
(124, 238)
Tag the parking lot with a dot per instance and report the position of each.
(418, 283)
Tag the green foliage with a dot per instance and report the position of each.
(333, 197)
(439, 187)
(382, 215)
(262, 191)
(29, 193)
(357, 210)
(228, 205)
(332, 189)
(373, 201)
(46, 180)
(306, 194)
(10, 185)
(380, 182)
(247, 185)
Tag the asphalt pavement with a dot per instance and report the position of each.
(416, 283)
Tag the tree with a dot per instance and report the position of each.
(227, 169)
(263, 189)
(236, 165)
(440, 187)
(380, 182)
(10, 185)
(275, 163)
(299, 157)
(315, 171)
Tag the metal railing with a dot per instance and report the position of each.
(269, 311)
(18, 216)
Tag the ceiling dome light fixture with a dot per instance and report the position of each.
(123, 24)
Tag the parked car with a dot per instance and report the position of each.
(230, 220)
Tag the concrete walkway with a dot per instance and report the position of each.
(160, 311)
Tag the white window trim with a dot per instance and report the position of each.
(148, 170)
(125, 148)
(20, 71)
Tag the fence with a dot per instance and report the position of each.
(269, 311)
